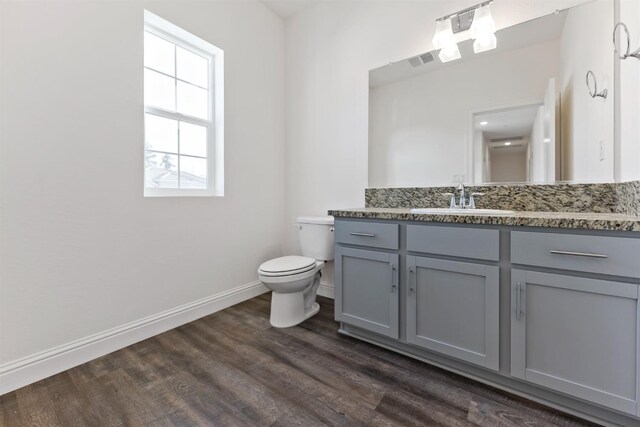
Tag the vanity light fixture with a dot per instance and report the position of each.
(484, 123)
(445, 41)
(477, 18)
(483, 30)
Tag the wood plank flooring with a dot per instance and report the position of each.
(233, 369)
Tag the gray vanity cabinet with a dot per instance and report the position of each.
(576, 335)
(452, 308)
(569, 302)
(367, 292)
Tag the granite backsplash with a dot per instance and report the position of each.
(623, 198)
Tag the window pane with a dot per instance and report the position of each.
(159, 90)
(193, 172)
(159, 54)
(193, 139)
(192, 101)
(160, 170)
(192, 68)
(160, 134)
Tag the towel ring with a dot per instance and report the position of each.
(594, 92)
(627, 54)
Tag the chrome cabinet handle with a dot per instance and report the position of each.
(518, 301)
(583, 254)
(393, 277)
(362, 234)
(411, 288)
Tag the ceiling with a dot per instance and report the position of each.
(508, 124)
(288, 8)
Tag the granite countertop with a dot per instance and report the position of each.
(575, 220)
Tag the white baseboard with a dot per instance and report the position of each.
(30, 369)
(326, 289)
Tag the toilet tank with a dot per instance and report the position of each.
(316, 237)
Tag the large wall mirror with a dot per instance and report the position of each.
(539, 108)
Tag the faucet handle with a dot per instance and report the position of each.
(472, 200)
(452, 200)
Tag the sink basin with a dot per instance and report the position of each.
(457, 211)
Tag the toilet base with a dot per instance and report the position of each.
(290, 309)
(314, 310)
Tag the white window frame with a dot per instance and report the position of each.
(214, 122)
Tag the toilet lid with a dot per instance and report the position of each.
(287, 265)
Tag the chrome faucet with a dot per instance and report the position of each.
(462, 200)
(463, 196)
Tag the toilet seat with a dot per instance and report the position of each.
(287, 266)
(291, 278)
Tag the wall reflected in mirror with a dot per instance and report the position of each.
(519, 113)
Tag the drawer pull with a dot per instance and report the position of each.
(583, 254)
(362, 234)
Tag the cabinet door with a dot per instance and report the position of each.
(575, 335)
(366, 290)
(453, 308)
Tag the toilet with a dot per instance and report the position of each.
(294, 280)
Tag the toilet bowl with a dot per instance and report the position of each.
(294, 280)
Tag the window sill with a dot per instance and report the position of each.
(174, 192)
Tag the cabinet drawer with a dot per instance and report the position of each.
(371, 234)
(617, 256)
(454, 241)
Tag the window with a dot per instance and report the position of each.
(183, 112)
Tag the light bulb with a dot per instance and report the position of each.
(482, 44)
(445, 41)
(483, 29)
(444, 34)
(450, 53)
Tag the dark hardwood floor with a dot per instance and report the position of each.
(232, 368)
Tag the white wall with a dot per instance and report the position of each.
(629, 92)
(330, 50)
(419, 127)
(81, 250)
(586, 121)
(537, 155)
